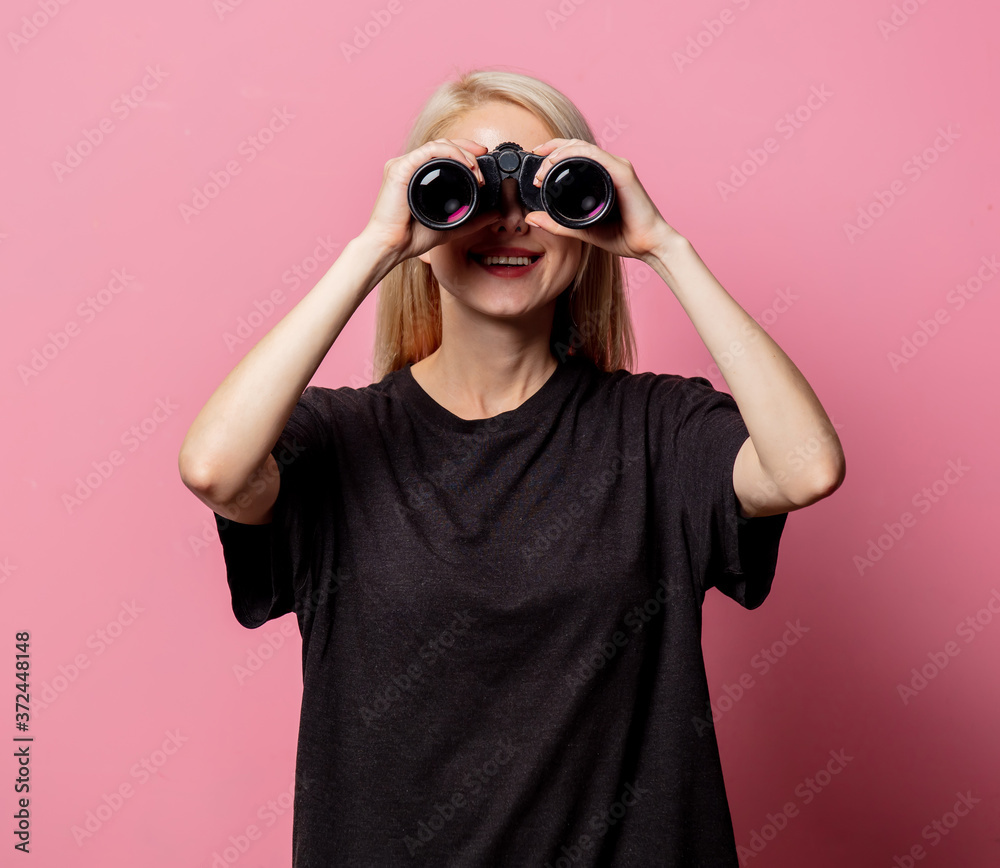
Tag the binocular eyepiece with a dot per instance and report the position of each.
(576, 192)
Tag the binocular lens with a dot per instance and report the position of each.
(577, 190)
(444, 192)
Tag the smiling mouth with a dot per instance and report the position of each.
(506, 261)
(506, 267)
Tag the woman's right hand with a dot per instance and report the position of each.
(393, 229)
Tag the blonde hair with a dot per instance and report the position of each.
(591, 317)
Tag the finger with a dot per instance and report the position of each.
(570, 148)
(455, 151)
(621, 171)
(470, 150)
(541, 220)
(474, 165)
(471, 145)
(549, 146)
(468, 158)
(480, 221)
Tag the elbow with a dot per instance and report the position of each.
(836, 473)
(194, 475)
(822, 482)
(830, 479)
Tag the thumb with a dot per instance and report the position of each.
(541, 220)
(480, 221)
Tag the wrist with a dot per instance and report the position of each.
(668, 247)
(369, 248)
(668, 255)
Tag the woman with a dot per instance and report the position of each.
(497, 553)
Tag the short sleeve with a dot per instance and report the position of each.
(270, 567)
(705, 432)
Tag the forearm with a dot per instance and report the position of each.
(239, 424)
(795, 441)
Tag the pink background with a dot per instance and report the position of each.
(837, 305)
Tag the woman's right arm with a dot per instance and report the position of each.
(225, 459)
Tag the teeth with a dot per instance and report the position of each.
(506, 260)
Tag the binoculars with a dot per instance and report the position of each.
(576, 192)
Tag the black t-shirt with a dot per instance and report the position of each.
(501, 620)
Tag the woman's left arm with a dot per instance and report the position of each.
(793, 456)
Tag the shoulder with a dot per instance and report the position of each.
(652, 389)
(333, 398)
(329, 406)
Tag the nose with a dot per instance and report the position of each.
(510, 209)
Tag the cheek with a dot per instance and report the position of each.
(452, 260)
(453, 272)
(443, 263)
(571, 260)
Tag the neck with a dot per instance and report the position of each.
(495, 371)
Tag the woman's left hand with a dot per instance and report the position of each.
(641, 229)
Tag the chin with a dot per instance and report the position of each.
(504, 299)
